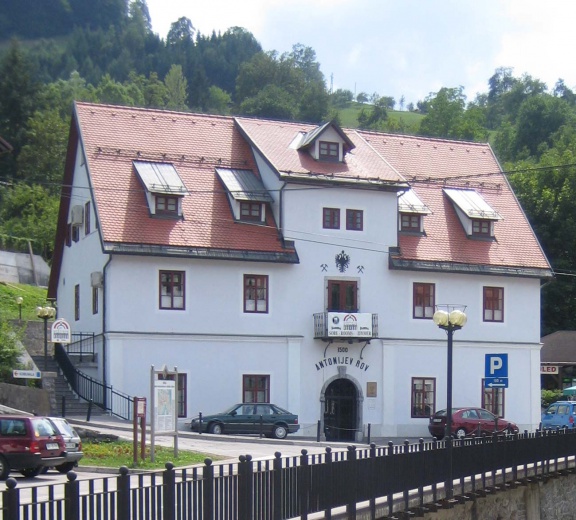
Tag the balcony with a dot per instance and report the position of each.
(345, 325)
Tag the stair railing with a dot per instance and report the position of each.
(86, 387)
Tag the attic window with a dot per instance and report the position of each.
(412, 210)
(251, 211)
(329, 151)
(164, 188)
(475, 214)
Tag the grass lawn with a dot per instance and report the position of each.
(120, 453)
(32, 297)
(349, 116)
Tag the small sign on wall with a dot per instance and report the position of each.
(548, 369)
(372, 389)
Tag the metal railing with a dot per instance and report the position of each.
(83, 345)
(385, 480)
(90, 389)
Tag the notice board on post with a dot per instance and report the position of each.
(163, 400)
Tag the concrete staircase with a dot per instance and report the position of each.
(63, 401)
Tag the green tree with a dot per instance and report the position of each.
(341, 98)
(42, 158)
(28, 213)
(272, 101)
(176, 89)
(445, 110)
(10, 350)
(219, 101)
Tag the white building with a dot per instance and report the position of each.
(297, 264)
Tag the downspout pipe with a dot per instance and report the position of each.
(104, 328)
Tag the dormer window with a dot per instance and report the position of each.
(412, 212)
(476, 215)
(164, 188)
(326, 143)
(166, 205)
(251, 211)
(410, 222)
(329, 151)
(247, 195)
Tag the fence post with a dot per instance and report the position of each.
(369, 430)
(208, 490)
(277, 487)
(304, 485)
(351, 505)
(200, 423)
(328, 484)
(123, 490)
(11, 500)
(72, 497)
(372, 477)
(169, 489)
(63, 406)
(318, 431)
(89, 410)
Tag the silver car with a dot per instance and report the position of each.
(71, 440)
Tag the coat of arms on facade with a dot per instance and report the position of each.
(342, 261)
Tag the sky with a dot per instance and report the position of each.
(398, 48)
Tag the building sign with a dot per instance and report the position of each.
(342, 360)
(341, 324)
(61, 332)
(549, 369)
(165, 406)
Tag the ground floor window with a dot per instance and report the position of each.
(423, 396)
(255, 388)
(493, 400)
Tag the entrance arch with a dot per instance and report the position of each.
(341, 410)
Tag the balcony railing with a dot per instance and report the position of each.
(345, 325)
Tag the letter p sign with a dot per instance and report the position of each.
(496, 365)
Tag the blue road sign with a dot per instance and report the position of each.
(495, 382)
(496, 366)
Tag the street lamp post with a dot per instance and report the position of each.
(19, 302)
(449, 318)
(45, 313)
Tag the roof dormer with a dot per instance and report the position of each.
(164, 188)
(326, 143)
(411, 212)
(475, 214)
(247, 195)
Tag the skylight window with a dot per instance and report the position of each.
(475, 214)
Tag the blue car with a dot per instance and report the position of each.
(561, 414)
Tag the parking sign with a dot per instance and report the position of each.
(496, 371)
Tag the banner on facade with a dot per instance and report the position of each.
(341, 324)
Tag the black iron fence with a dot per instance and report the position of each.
(84, 345)
(90, 389)
(379, 480)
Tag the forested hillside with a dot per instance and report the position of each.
(53, 52)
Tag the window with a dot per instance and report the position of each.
(69, 235)
(354, 219)
(423, 301)
(166, 205)
(410, 222)
(94, 300)
(331, 218)
(75, 233)
(342, 295)
(493, 400)
(251, 211)
(329, 151)
(255, 389)
(76, 302)
(423, 396)
(87, 218)
(255, 293)
(493, 304)
(172, 290)
(481, 228)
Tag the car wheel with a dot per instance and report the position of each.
(216, 428)
(66, 467)
(460, 433)
(31, 472)
(4, 468)
(280, 431)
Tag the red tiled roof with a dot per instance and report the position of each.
(273, 139)
(195, 144)
(425, 162)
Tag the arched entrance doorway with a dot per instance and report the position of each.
(341, 410)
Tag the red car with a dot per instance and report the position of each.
(28, 444)
(469, 421)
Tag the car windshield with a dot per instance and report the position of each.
(43, 427)
(442, 413)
